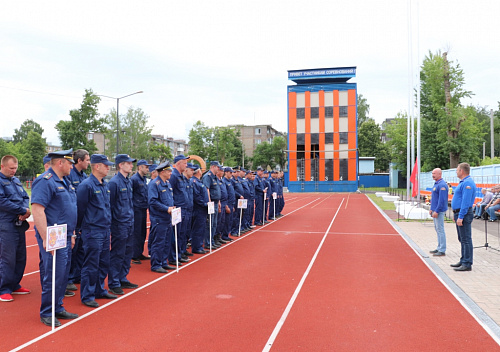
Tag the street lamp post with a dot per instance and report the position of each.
(118, 117)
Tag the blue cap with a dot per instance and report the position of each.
(195, 167)
(259, 168)
(191, 166)
(62, 154)
(180, 157)
(215, 163)
(228, 169)
(164, 166)
(143, 162)
(123, 158)
(152, 167)
(100, 159)
(46, 159)
(248, 172)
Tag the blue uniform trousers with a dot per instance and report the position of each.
(221, 221)
(266, 215)
(122, 241)
(198, 225)
(189, 218)
(259, 206)
(95, 263)
(272, 212)
(229, 222)
(140, 219)
(182, 236)
(12, 257)
(77, 254)
(160, 239)
(249, 213)
(236, 219)
(63, 264)
(465, 238)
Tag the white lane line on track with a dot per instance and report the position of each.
(34, 272)
(290, 232)
(36, 339)
(365, 234)
(320, 202)
(288, 308)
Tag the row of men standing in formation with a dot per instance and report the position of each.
(99, 214)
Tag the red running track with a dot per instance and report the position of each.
(362, 288)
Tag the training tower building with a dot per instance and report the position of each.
(322, 130)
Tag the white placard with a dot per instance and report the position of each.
(57, 237)
(275, 195)
(242, 203)
(265, 196)
(176, 216)
(211, 208)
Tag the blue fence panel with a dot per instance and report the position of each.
(368, 181)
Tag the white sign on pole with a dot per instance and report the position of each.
(176, 216)
(57, 237)
(275, 195)
(211, 208)
(242, 203)
(265, 196)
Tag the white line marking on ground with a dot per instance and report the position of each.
(280, 323)
(320, 202)
(36, 339)
(34, 272)
(365, 233)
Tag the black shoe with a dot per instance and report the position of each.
(66, 315)
(143, 257)
(456, 265)
(168, 267)
(136, 261)
(434, 251)
(91, 304)
(258, 224)
(182, 260)
(188, 254)
(439, 254)
(108, 296)
(69, 293)
(71, 287)
(160, 270)
(266, 222)
(185, 257)
(48, 321)
(116, 290)
(222, 241)
(463, 268)
(200, 252)
(227, 239)
(174, 264)
(127, 284)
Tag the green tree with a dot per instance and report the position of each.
(31, 153)
(26, 127)
(135, 133)
(370, 144)
(200, 140)
(363, 109)
(160, 153)
(396, 131)
(73, 133)
(448, 129)
(270, 154)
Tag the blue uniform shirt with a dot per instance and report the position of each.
(200, 194)
(94, 211)
(178, 184)
(58, 197)
(464, 196)
(439, 196)
(76, 177)
(210, 181)
(258, 186)
(246, 188)
(223, 192)
(251, 188)
(13, 199)
(238, 188)
(160, 198)
(189, 193)
(139, 191)
(122, 207)
(230, 190)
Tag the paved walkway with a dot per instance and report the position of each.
(481, 286)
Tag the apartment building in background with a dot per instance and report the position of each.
(252, 136)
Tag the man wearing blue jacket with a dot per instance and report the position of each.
(439, 206)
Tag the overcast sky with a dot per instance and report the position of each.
(226, 62)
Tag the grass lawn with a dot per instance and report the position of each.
(380, 202)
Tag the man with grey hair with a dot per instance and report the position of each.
(439, 206)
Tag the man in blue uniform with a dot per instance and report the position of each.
(250, 176)
(229, 209)
(76, 177)
(94, 220)
(14, 210)
(210, 181)
(199, 218)
(122, 225)
(179, 183)
(161, 204)
(267, 185)
(281, 198)
(153, 173)
(439, 206)
(246, 195)
(140, 201)
(188, 174)
(53, 201)
(238, 194)
(463, 199)
(221, 221)
(260, 189)
(273, 188)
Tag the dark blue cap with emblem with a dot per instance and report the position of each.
(191, 166)
(152, 167)
(62, 154)
(195, 167)
(46, 159)
(179, 158)
(215, 163)
(123, 158)
(100, 159)
(228, 169)
(143, 162)
(259, 168)
(164, 166)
